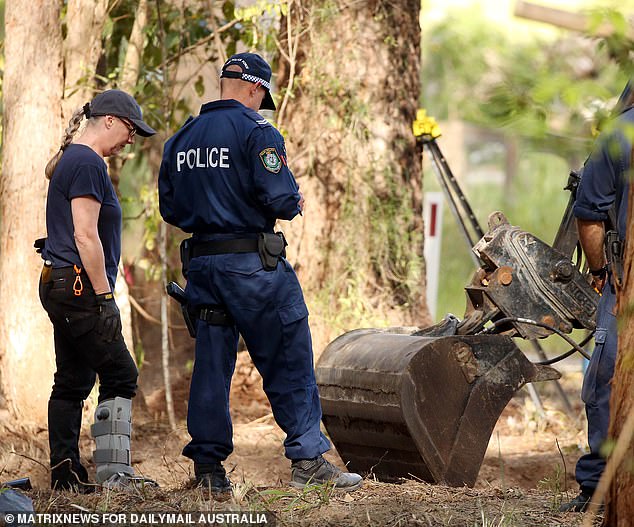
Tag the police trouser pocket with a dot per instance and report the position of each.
(589, 387)
(80, 323)
(295, 346)
(271, 247)
(291, 314)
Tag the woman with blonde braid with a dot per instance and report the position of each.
(81, 253)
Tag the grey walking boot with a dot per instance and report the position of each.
(111, 432)
(318, 471)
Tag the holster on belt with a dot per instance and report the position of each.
(271, 247)
(212, 315)
(614, 253)
(176, 292)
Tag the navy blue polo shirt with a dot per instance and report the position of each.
(604, 180)
(226, 171)
(81, 172)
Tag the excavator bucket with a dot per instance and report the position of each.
(398, 404)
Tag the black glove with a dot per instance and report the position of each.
(109, 321)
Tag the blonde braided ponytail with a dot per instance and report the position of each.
(69, 133)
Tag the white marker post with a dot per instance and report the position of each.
(432, 217)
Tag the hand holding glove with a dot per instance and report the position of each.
(109, 321)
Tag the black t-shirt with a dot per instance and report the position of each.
(81, 172)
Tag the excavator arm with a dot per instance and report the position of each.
(423, 402)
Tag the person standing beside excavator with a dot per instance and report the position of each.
(603, 188)
(81, 254)
(225, 178)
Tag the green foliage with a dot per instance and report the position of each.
(310, 497)
(554, 483)
(391, 242)
(619, 45)
(139, 353)
(607, 448)
(260, 19)
(537, 89)
(505, 520)
(171, 32)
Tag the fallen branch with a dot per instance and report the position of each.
(148, 317)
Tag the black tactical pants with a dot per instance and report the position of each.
(80, 352)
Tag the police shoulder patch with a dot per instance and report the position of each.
(271, 160)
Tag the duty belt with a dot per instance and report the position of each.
(237, 245)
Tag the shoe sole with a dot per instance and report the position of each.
(297, 485)
(214, 490)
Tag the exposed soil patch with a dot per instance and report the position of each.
(528, 469)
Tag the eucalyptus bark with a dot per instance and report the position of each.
(353, 71)
(82, 48)
(134, 53)
(32, 93)
(619, 503)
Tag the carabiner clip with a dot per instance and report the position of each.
(78, 286)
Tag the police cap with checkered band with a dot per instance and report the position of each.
(254, 69)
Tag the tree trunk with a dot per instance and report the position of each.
(32, 93)
(82, 48)
(620, 505)
(354, 68)
(134, 53)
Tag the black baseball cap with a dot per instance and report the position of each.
(119, 104)
(254, 69)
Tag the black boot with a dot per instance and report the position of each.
(581, 502)
(212, 476)
(64, 426)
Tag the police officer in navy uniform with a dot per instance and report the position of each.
(603, 187)
(81, 253)
(225, 178)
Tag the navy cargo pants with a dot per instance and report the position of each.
(269, 311)
(596, 391)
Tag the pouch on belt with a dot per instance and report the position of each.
(186, 247)
(271, 247)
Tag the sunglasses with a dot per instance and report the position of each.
(131, 128)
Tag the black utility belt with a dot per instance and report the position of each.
(270, 246)
(235, 246)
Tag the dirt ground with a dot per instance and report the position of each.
(528, 469)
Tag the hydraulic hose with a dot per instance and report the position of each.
(575, 346)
